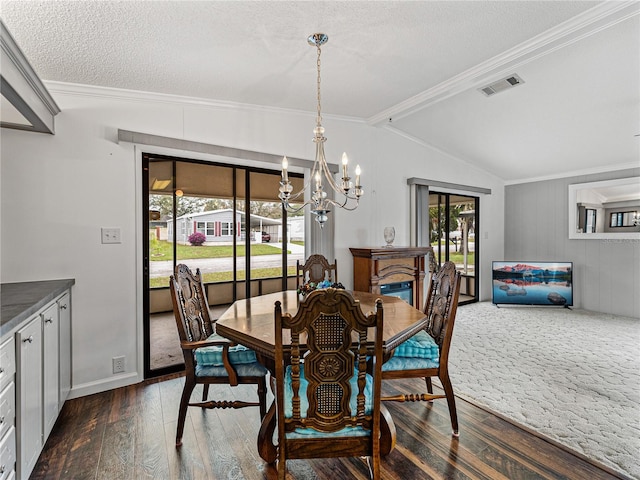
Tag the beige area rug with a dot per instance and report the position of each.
(572, 376)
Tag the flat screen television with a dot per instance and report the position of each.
(533, 283)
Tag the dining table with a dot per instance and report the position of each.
(251, 321)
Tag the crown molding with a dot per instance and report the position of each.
(592, 21)
(575, 173)
(121, 94)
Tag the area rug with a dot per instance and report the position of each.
(572, 376)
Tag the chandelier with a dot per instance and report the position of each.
(347, 195)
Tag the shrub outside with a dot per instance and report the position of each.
(197, 239)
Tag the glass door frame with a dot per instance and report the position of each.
(444, 235)
(146, 301)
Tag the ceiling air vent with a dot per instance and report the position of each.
(501, 85)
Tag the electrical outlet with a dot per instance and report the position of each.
(110, 235)
(118, 364)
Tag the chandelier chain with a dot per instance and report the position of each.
(319, 117)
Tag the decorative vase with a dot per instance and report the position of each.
(389, 236)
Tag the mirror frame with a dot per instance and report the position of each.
(573, 192)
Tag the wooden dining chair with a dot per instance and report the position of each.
(426, 354)
(316, 269)
(327, 404)
(208, 357)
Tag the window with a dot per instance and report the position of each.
(590, 221)
(624, 219)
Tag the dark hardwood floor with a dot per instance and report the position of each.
(129, 433)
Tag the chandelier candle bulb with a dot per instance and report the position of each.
(357, 176)
(285, 165)
(345, 160)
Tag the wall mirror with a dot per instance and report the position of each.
(609, 209)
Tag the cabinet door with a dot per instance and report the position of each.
(29, 345)
(64, 313)
(51, 363)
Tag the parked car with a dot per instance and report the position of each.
(266, 238)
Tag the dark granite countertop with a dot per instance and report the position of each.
(21, 300)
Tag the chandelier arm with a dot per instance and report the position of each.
(343, 206)
(327, 173)
(339, 190)
(291, 209)
(297, 194)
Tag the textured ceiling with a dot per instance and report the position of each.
(417, 62)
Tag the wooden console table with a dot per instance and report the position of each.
(373, 267)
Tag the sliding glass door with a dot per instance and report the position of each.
(452, 231)
(226, 221)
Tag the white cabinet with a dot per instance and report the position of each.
(7, 409)
(29, 379)
(50, 367)
(64, 316)
(35, 369)
(42, 362)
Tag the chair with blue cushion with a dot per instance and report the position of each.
(426, 354)
(327, 404)
(208, 357)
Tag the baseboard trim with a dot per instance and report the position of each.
(103, 385)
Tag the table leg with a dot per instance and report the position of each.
(387, 432)
(266, 448)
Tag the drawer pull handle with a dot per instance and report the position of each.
(30, 339)
(1, 370)
(2, 419)
(2, 469)
(63, 307)
(48, 320)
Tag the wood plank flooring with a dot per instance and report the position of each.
(129, 433)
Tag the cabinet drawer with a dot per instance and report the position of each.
(7, 361)
(8, 455)
(7, 408)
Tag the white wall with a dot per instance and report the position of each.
(606, 272)
(58, 191)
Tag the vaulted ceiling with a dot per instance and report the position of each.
(412, 67)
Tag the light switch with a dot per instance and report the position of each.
(111, 235)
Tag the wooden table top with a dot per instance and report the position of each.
(251, 321)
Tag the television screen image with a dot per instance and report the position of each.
(533, 283)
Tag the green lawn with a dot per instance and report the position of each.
(161, 250)
(455, 257)
(459, 258)
(217, 277)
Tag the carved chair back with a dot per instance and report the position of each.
(326, 376)
(194, 323)
(316, 269)
(441, 306)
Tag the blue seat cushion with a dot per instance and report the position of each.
(304, 406)
(421, 345)
(419, 352)
(243, 370)
(212, 356)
